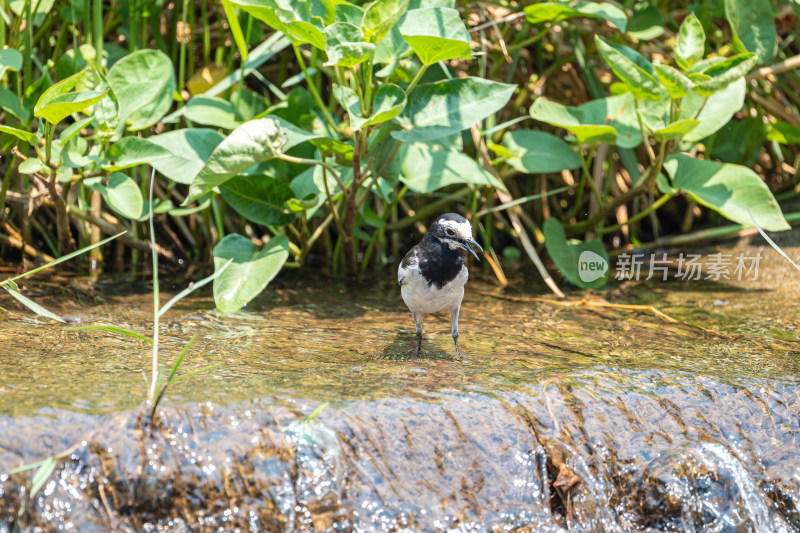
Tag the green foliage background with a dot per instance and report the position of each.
(317, 131)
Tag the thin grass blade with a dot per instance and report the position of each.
(317, 411)
(31, 466)
(522, 200)
(65, 258)
(112, 329)
(33, 306)
(195, 372)
(771, 242)
(180, 359)
(505, 125)
(236, 29)
(159, 379)
(42, 475)
(188, 290)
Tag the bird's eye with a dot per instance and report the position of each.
(450, 232)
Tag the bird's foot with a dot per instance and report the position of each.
(458, 353)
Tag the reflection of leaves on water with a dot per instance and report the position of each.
(232, 325)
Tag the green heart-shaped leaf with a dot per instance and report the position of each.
(676, 83)
(726, 72)
(11, 104)
(349, 13)
(144, 84)
(303, 32)
(539, 152)
(65, 105)
(632, 69)
(57, 102)
(436, 110)
(436, 34)
(380, 16)
(249, 273)
(583, 263)
(345, 45)
(728, 189)
(31, 165)
(211, 111)
(690, 43)
(609, 120)
(389, 103)
(131, 151)
(676, 130)
(425, 169)
(554, 13)
(189, 149)
(714, 112)
(251, 143)
(753, 27)
(123, 195)
(260, 199)
(10, 59)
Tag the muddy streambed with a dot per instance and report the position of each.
(557, 418)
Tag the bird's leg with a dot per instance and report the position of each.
(418, 326)
(454, 324)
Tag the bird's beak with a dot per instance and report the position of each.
(468, 246)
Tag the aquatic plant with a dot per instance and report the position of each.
(328, 139)
(11, 287)
(157, 385)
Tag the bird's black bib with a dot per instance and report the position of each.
(438, 263)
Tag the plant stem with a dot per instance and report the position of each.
(2, 25)
(314, 236)
(645, 138)
(151, 393)
(28, 45)
(368, 88)
(578, 195)
(304, 161)
(638, 216)
(182, 53)
(133, 32)
(533, 40)
(644, 185)
(590, 178)
(97, 32)
(416, 78)
(428, 209)
(206, 34)
(11, 173)
(731, 230)
(312, 88)
(350, 209)
(513, 214)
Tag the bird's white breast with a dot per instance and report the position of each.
(422, 297)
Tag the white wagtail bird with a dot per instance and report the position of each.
(433, 273)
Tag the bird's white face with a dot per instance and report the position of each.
(455, 233)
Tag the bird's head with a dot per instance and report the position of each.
(455, 231)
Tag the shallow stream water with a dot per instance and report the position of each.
(555, 419)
